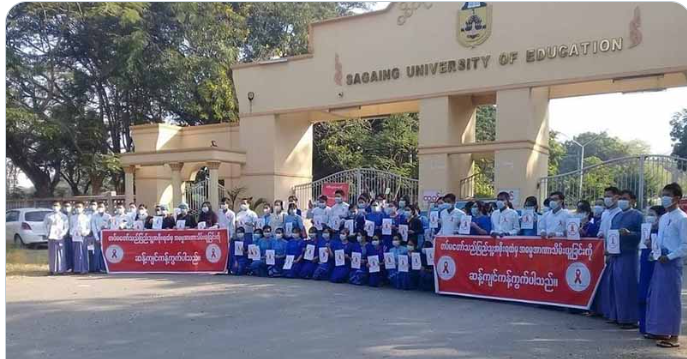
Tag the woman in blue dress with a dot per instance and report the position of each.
(239, 264)
(295, 220)
(295, 247)
(308, 266)
(481, 222)
(279, 246)
(340, 273)
(359, 276)
(396, 277)
(413, 274)
(427, 273)
(376, 215)
(324, 269)
(397, 219)
(258, 267)
(646, 265)
(589, 222)
(375, 248)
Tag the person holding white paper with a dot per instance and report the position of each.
(359, 250)
(357, 215)
(56, 225)
(505, 221)
(238, 252)
(279, 244)
(426, 279)
(258, 267)
(647, 263)
(324, 268)
(376, 215)
(120, 220)
(664, 305)
(99, 221)
(294, 220)
(226, 218)
(80, 230)
(414, 266)
(310, 251)
(623, 287)
(397, 219)
(375, 249)
(341, 248)
(589, 226)
(393, 275)
(553, 223)
(296, 248)
(189, 220)
(246, 218)
(481, 223)
(321, 211)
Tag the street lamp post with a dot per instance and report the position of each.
(581, 163)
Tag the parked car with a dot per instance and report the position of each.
(25, 226)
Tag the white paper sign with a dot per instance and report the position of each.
(356, 258)
(269, 257)
(434, 219)
(260, 223)
(527, 219)
(386, 226)
(646, 235)
(324, 255)
(202, 225)
(655, 249)
(464, 227)
(389, 260)
(317, 221)
(370, 228)
(56, 231)
(613, 242)
(288, 229)
(288, 262)
(253, 252)
(350, 225)
(429, 253)
(572, 228)
(403, 231)
(403, 263)
(238, 248)
(339, 257)
(416, 261)
(181, 224)
(157, 222)
(373, 261)
(139, 226)
(91, 247)
(309, 252)
(335, 222)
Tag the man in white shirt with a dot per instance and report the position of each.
(340, 208)
(664, 306)
(80, 230)
(99, 220)
(320, 213)
(246, 218)
(226, 218)
(449, 218)
(504, 220)
(554, 222)
(56, 225)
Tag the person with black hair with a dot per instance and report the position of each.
(505, 221)
(449, 218)
(588, 227)
(664, 305)
(647, 263)
(554, 222)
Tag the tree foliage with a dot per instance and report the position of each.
(678, 133)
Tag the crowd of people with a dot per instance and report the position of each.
(380, 241)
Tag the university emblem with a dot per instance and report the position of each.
(474, 23)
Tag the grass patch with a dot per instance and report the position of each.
(26, 262)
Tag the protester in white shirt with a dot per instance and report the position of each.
(246, 218)
(319, 213)
(449, 218)
(99, 221)
(340, 208)
(56, 225)
(554, 222)
(226, 218)
(505, 221)
(664, 306)
(80, 230)
(611, 197)
(121, 219)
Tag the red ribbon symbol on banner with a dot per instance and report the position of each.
(445, 268)
(578, 276)
(213, 253)
(114, 253)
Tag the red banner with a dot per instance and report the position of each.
(166, 251)
(328, 190)
(555, 272)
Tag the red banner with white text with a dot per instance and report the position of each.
(166, 251)
(557, 272)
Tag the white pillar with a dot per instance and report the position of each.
(129, 184)
(176, 182)
(213, 194)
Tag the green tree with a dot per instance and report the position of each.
(678, 134)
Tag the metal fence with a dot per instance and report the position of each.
(197, 193)
(362, 180)
(645, 175)
(111, 200)
(479, 185)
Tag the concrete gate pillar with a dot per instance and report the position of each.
(522, 127)
(213, 193)
(278, 154)
(445, 122)
(176, 183)
(129, 184)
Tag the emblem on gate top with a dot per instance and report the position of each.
(474, 23)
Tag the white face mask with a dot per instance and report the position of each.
(375, 242)
(56, 208)
(266, 210)
(554, 205)
(360, 239)
(666, 201)
(79, 210)
(244, 207)
(101, 210)
(623, 204)
(312, 235)
(120, 210)
(141, 211)
(650, 219)
(277, 208)
(598, 210)
(205, 209)
(325, 235)
(132, 209)
(240, 235)
(608, 202)
(343, 237)
(321, 204)
(396, 243)
(224, 206)
(279, 236)
(338, 199)
(411, 247)
(500, 204)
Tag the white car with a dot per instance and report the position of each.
(25, 226)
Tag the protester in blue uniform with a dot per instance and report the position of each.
(376, 215)
(340, 272)
(295, 247)
(531, 205)
(357, 216)
(279, 244)
(397, 219)
(324, 268)
(664, 305)
(375, 248)
(427, 274)
(308, 266)
(359, 276)
(294, 200)
(481, 222)
(293, 219)
(646, 264)
(588, 226)
(258, 267)
(395, 277)
(413, 281)
(239, 261)
(624, 277)
(601, 305)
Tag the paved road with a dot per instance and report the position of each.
(189, 316)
